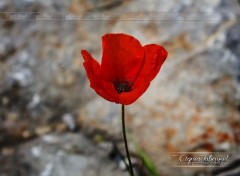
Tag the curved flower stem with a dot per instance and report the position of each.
(130, 168)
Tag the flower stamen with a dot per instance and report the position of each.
(122, 86)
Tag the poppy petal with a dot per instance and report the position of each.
(155, 55)
(122, 59)
(108, 92)
(126, 70)
(102, 88)
(127, 98)
(92, 68)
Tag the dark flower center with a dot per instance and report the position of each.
(123, 86)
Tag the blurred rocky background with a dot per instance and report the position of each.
(53, 124)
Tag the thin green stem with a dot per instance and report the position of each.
(130, 168)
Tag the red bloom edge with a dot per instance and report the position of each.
(126, 70)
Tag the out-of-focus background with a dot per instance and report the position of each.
(53, 124)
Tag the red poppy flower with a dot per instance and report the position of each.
(126, 70)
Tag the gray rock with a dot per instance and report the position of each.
(190, 106)
(186, 107)
(68, 154)
(233, 44)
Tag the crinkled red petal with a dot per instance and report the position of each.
(122, 57)
(104, 89)
(155, 55)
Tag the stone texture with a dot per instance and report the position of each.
(192, 105)
(60, 155)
